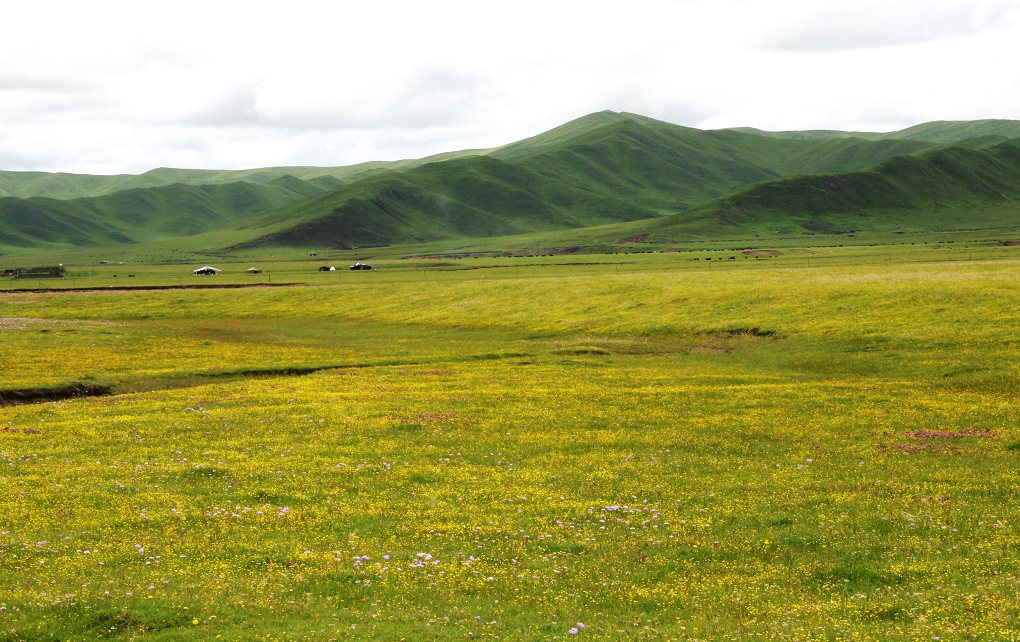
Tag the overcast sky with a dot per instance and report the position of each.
(109, 87)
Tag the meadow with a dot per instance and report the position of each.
(820, 445)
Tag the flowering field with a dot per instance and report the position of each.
(783, 453)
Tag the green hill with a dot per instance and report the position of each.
(951, 132)
(599, 169)
(463, 198)
(142, 214)
(942, 132)
(68, 186)
(951, 188)
(62, 185)
(604, 168)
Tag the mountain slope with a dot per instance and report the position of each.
(951, 188)
(951, 132)
(66, 186)
(142, 214)
(940, 132)
(463, 198)
(599, 169)
(675, 167)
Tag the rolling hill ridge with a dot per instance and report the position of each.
(604, 168)
(950, 188)
(134, 215)
(600, 169)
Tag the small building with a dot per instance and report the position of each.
(253, 270)
(327, 268)
(207, 270)
(361, 266)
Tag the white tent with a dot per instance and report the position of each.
(206, 270)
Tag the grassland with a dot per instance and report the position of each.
(818, 445)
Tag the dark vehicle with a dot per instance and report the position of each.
(361, 266)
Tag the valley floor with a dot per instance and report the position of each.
(639, 448)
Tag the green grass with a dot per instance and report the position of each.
(812, 446)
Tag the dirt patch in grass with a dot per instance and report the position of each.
(748, 332)
(966, 433)
(459, 255)
(54, 393)
(16, 323)
(424, 417)
(22, 323)
(637, 238)
(938, 441)
(707, 349)
(11, 430)
(122, 288)
(596, 350)
(763, 252)
(545, 251)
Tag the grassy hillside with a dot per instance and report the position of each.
(948, 131)
(464, 198)
(141, 214)
(939, 132)
(604, 168)
(724, 157)
(952, 188)
(62, 185)
(68, 186)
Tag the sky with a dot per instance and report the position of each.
(110, 87)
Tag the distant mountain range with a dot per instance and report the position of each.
(664, 181)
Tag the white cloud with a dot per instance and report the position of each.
(124, 86)
(867, 24)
